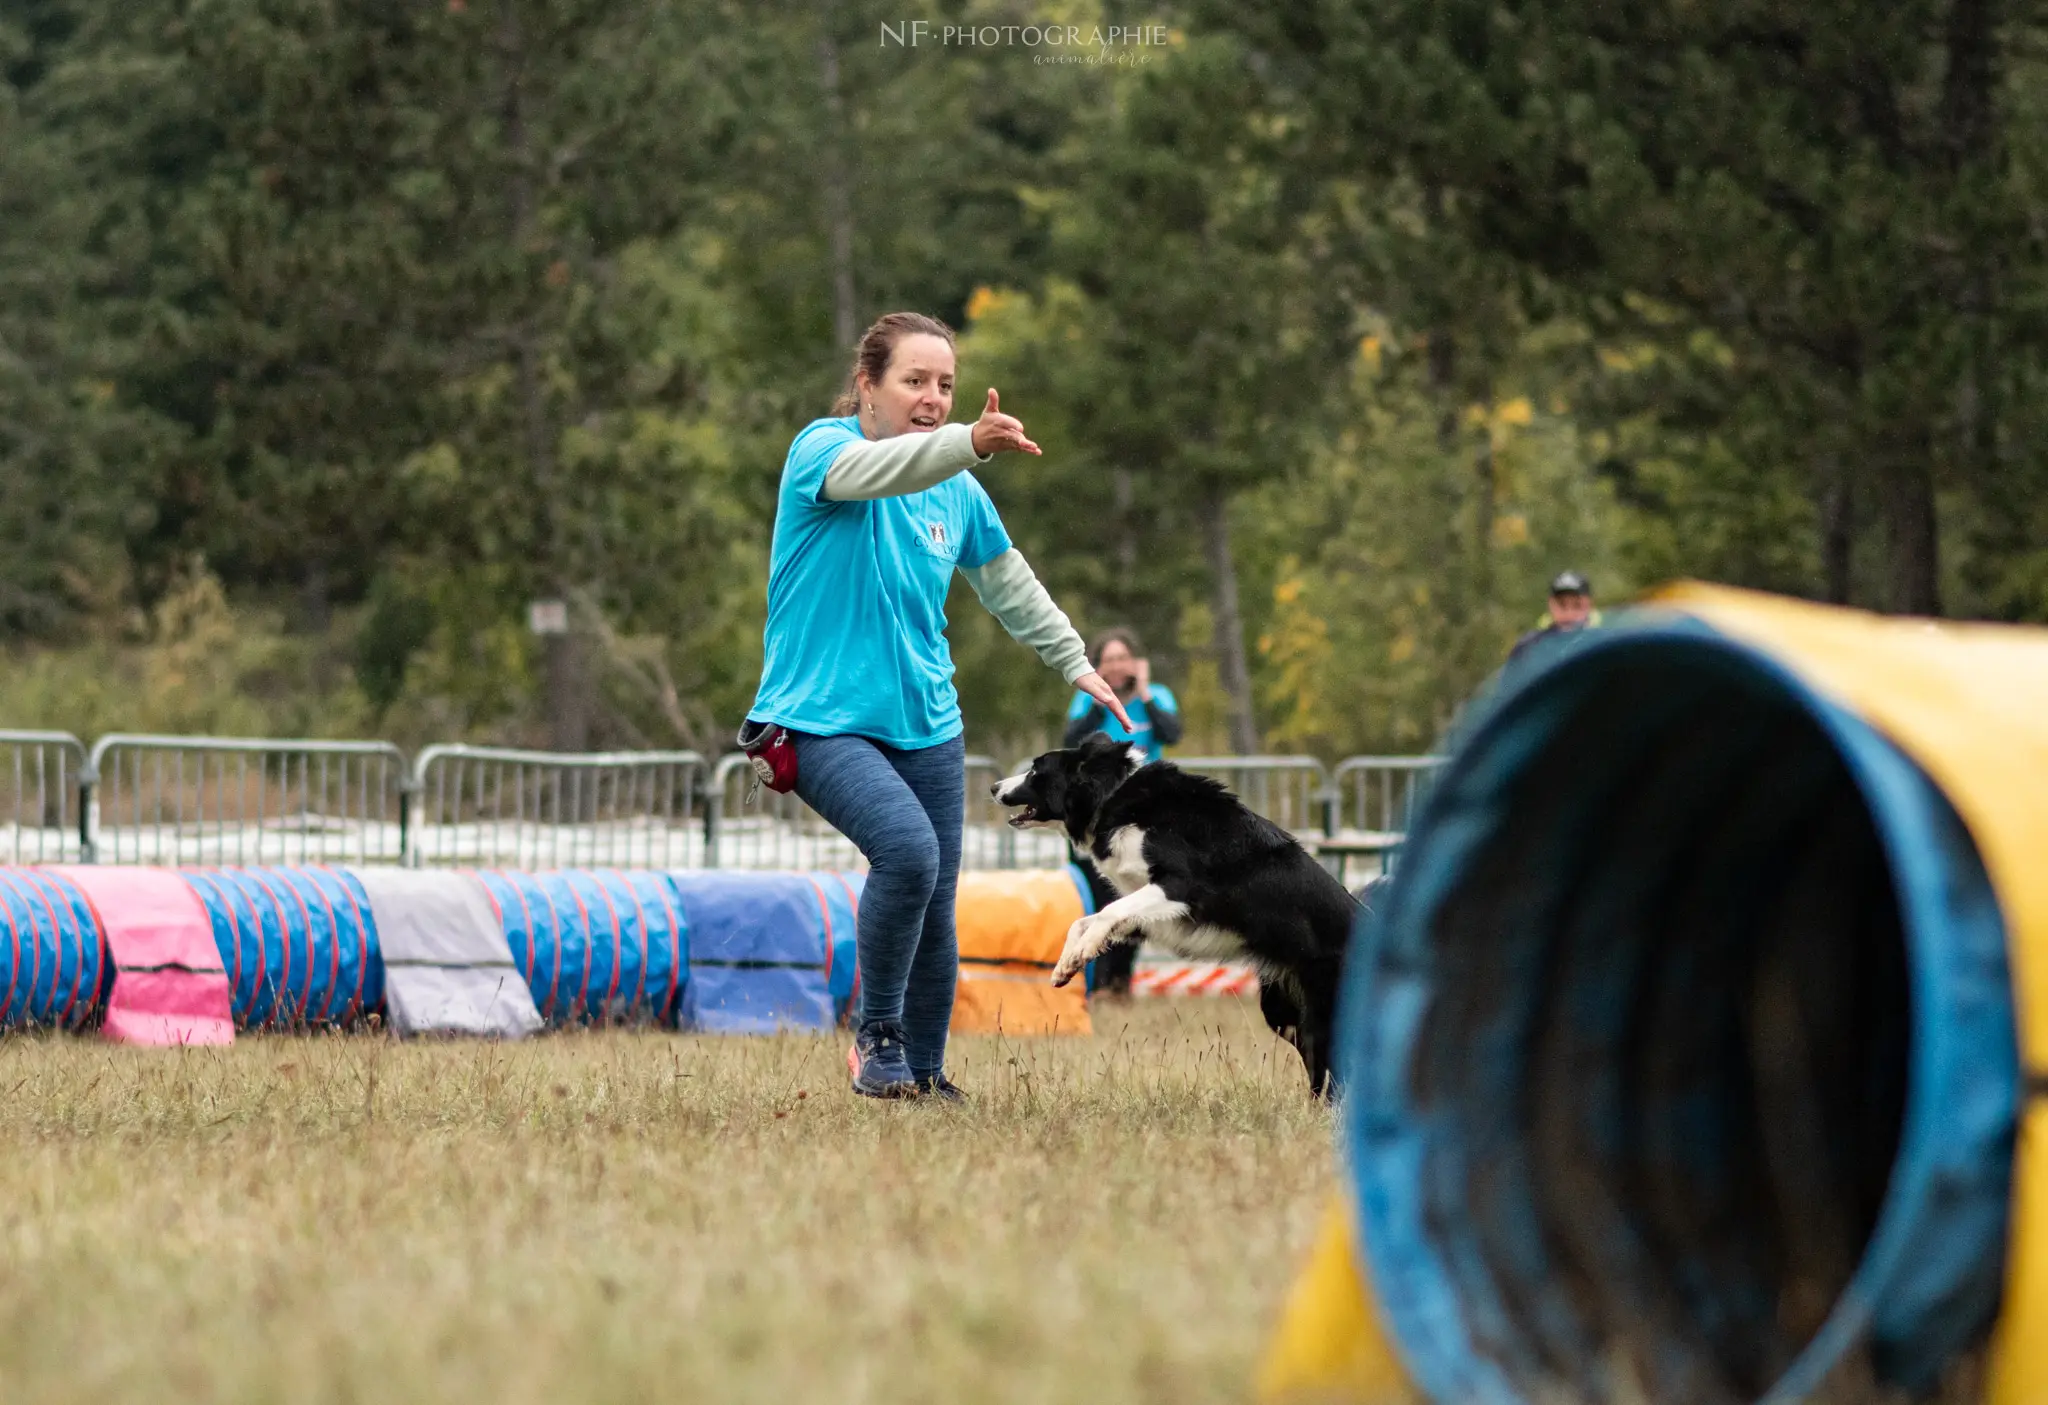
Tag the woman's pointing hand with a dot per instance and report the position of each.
(998, 433)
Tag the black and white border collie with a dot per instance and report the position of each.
(1201, 875)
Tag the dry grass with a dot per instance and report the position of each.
(637, 1217)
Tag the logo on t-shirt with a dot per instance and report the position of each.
(936, 531)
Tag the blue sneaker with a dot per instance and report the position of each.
(937, 1085)
(880, 1068)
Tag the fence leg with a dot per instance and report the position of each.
(88, 820)
(408, 850)
(712, 814)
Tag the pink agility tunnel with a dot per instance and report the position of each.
(169, 986)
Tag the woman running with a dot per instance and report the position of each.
(876, 511)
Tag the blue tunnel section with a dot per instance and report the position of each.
(596, 946)
(768, 951)
(53, 967)
(298, 944)
(1649, 1041)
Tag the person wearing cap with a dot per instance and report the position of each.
(1571, 610)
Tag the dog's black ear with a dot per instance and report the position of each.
(1101, 752)
(1099, 744)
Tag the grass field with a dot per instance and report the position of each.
(622, 1216)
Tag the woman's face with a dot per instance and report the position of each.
(1116, 665)
(915, 394)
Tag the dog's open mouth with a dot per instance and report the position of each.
(1024, 816)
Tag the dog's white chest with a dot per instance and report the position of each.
(1125, 867)
(1193, 942)
(1127, 872)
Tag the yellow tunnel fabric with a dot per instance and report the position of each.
(1330, 1345)
(1012, 925)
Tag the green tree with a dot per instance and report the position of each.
(1183, 340)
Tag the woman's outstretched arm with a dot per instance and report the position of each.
(1011, 592)
(905, 464)
(909, 463)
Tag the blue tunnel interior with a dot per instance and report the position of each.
(1681, 1049)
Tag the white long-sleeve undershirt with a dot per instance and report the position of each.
(1012, 592)
(901, 464)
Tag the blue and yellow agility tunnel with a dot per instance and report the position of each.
(1688, 1055)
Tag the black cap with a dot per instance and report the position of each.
(1570, 583)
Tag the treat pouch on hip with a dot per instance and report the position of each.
(772, 751)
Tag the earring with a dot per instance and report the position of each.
(871, 407)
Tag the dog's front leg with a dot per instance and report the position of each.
(1091, 936)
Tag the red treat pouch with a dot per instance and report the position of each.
(772, 751)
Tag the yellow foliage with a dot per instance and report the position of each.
(1633, 358)
(1402, 649)
(984, 301)
(1370, 351)
(1299, 648)
(1510, 529)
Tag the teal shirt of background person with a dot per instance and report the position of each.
(1145, 736)
(856, 638)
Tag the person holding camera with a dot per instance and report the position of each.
(1154, 714)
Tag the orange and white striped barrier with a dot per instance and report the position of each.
(1193, 978)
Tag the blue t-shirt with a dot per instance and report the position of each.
(856, 636)
(1141, 718)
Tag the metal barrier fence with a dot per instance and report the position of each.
(214, 800)
(492, 807)
(1291, 791)
(45, 822)
(772, 830)
(206, 800)
(1379, 794)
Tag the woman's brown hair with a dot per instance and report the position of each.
(877, 344)
(1108, 637)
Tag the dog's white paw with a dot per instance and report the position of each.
(1086, 940)
(1071, 961)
